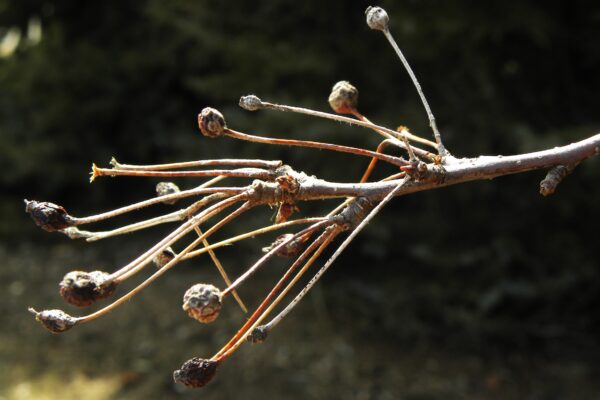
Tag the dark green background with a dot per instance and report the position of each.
(486, 290)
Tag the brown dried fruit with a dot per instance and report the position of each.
(48, 216)
(56, 321)
(202, 302)
(196, 372)
(82, 288)
(211, 123)
(258, 334)
(343, 98)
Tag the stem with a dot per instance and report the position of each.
(326, 146)
(373, 162)
(398, 135)
(156, 200)
(200, 163)
(270, 254)
(438, 138)
(222, 271)
(365, 123)
(252, 234)
(254, 173)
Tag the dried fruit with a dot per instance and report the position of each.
(56, 321)
(82, 288)
(343, 98)
(196, 372)
(202, 302)
(377, 18)
(211, 123)
(258, 334)
(48, 216)
(250, 102)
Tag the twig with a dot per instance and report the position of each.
(326, 146)
(200, 163)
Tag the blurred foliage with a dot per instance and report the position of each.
(484, 267)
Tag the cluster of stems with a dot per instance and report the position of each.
(420, 164)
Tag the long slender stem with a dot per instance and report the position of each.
(87, 318)
(326, 146)
(365, 123)
(254, 233)
(200, 163)
(253, 173)
(397, 135)
(438, 138)
(373, 162)
(315, 248)
(157, 200)
(270, 254)
(220, 268)
(137, 264)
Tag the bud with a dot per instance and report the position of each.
(164, 188)
(164, 257)
(343, 98)
(377, 18)
(290, 250)
(48, 216)
(251, 102)
(56, 321)
(202, 302)
(258, 334)
(196, 372)
(211, 123)
(85, 288)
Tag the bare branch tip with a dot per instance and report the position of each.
(95, 173)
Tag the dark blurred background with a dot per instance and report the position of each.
(482, 291)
